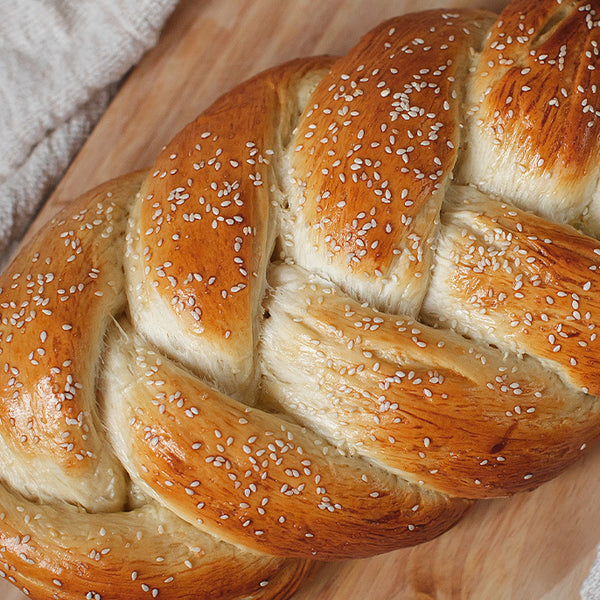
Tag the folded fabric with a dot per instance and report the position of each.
(590, 590)
(60, 61)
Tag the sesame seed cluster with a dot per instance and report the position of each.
(350, 298)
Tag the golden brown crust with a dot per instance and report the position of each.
(533, 128)
(147, 552)
(537, 53)
(55, 300)
(203, 235)
(372, 154)
(436, 407)
(250, 387)
(56, 549)
(253, 478)
(522, 283)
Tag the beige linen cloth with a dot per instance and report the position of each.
(60, 61)
(591, 586)
(60, 64)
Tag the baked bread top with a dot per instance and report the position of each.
(352, 296)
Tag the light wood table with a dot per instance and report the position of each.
(534, 546)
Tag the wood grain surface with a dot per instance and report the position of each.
(533, 546)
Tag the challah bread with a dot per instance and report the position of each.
(345, 302)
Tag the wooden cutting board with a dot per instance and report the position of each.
(534, 546)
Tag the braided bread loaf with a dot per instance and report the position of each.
(346, 301)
